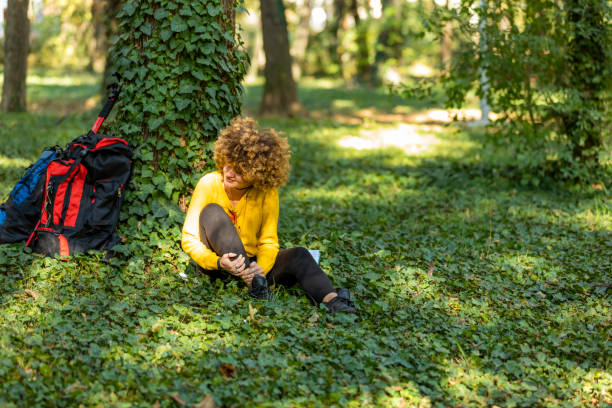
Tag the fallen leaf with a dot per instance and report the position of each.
(74, 387)
(178, 399)
(207, 402)
(252, 312)
(314, 318)
(31, 293)
(156, 326)
(227, 370)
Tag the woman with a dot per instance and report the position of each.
(231, 223)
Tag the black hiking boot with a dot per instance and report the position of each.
(259, 288)
(341, 303)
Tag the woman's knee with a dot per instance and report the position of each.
(212, 209)
(303, 261)
(213, 221)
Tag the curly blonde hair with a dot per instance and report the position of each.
(261, 156)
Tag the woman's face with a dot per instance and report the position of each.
(233, 179)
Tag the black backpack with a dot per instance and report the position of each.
(73, 197)
(82, 196)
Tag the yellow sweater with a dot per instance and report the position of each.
(256, 221)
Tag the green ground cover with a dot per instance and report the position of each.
(472, 290)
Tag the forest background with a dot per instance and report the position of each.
(477, 247)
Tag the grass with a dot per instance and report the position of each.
(473, 291)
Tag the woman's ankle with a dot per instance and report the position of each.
(329, 297)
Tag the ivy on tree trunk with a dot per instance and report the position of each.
(182, 65)
(589, 58)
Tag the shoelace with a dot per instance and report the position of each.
(348, 302)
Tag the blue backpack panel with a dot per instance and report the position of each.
(18, 213)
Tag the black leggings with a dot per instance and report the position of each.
(294, 265)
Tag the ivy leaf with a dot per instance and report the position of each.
(178, 24)
(182, 103)
(213, 10)
(186, 11)
(154, 123)
(188, 88)
(161, 13)
(198, 74)
(129, 9)
(159, 211)
(165, 35)
(146, 28)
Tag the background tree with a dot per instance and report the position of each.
(99, 43)
(105, 34)
(16, 48)
(302, 34)
(546, 67)
(64, 36)
(335, 30)
(588, 82)
(363, 67)
(280, 93)
(446, 40)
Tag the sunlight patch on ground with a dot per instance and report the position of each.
(421, 70)
(405, 136)
(6, 162)
(65, 108)
(447, 116)
(69, 80)
(400, 114)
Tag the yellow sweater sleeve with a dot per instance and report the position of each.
(267, 245)
(203, 194)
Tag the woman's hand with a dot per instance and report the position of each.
(238, 268)
(250, 272)
(256, 269)
(233, 264)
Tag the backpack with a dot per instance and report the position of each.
(18, 215)
(82, 192)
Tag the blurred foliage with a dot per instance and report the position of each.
(407, 43)
(549, 67)
(63, 35)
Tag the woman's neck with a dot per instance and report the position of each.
(234, 194)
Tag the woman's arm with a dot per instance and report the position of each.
(267, 245)
(191, 242)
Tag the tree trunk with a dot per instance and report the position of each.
(586, 122)
(99, 43)
(485, 108)
(16, 48)
(258, 58)
(382, 52)
(336, 24)
(182, 68)
(302, 34)
(364, 68)
(445, 51)
(280, 93)
(111, 8)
